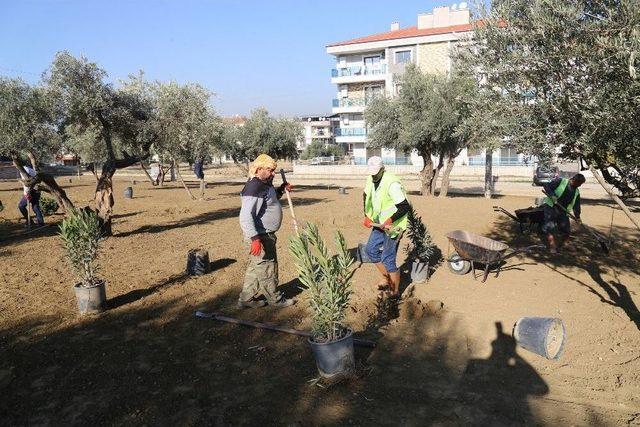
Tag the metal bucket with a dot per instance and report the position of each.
(545, 336)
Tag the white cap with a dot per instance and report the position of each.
(374, 164)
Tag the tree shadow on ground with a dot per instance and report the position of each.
(12, 232)
(583, 252)
(138, 294)
(154, 363)
(221, 263)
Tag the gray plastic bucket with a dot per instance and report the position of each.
(362, 254)
(545, 336)
(336, 357)
(419, 271)
(128, 192)
(91, 299)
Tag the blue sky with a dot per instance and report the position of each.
(268, 53)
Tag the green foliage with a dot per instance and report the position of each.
(262, 134)
(81, 232)
(562, 75)
(327, 277)
(320, 149)
(421, 247)
(27, 120)
(48, 206)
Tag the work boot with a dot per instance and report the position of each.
(252, 303)
(283, 302)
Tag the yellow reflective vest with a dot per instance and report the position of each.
(384, 206)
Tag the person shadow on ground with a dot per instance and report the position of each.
(495, 390)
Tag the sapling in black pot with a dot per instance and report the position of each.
(328, 280)
(421, 251)
(81, 232)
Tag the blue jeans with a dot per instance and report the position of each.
(382, 248)
(35, 205)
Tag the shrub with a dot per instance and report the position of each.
(421, 247)
(320, 149)
(328, 279)
(81, 232)
(48, 206)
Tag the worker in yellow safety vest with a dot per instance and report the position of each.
(562, 196)
(386, 209)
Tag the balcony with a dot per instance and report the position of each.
(350, 105)
(351, 132)
(358, 74)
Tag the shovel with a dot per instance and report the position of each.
(293, 215)
(601, 242)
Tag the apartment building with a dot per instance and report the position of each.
(317, 128)
(369, 66)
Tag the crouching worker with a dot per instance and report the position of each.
(260, 219)
(385, 204)
(562, 196)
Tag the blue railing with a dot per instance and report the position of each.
(351, 102)
(351, 132)
(396, 160)
(502, 161)
(359, 71)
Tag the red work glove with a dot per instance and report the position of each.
(387, 224)
(287, 187)
(28, 197)
(367, 222)
(256, 247)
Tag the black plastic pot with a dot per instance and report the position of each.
(128, 193)
(92, 299)
(419, 271)
(334, 357)
(198, 262)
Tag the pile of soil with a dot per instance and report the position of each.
(148, 360)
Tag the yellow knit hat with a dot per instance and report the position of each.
(262, 161)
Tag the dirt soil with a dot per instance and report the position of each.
(148, 361)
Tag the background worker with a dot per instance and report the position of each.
(563, 192)
(385, 203)
(30, 195)
(260, 219)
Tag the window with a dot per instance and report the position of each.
(403, 56)
(371, 61)
(371, 92)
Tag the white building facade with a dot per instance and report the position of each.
(369, 66)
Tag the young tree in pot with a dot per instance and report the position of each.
(81, 233)
(421, 251)
(328, 279)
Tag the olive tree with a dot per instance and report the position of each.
(28, 130)
(566, 75)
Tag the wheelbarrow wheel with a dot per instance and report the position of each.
(458, 265)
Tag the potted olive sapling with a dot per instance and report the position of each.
(421, 251)
(328, 280)
(81, 233)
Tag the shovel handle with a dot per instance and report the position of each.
(293, 215)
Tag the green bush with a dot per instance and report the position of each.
(421, 245)
(328, 279)
(48, 206)
(81, 232)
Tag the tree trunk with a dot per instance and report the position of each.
(444, 186)
(161, 174)
(176, 166)
(436, 174)
(615, 198)
(202, 187)
(146, 172)
(92, 168)
(173, 171)
(426, 174)
(104, 196)
(49, 182)
(488, 174)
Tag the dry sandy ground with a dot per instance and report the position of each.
(149, 361)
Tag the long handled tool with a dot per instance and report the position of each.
(293, 215)
(601, 242)
(270, 327)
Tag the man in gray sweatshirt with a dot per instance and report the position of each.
(260, 218)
